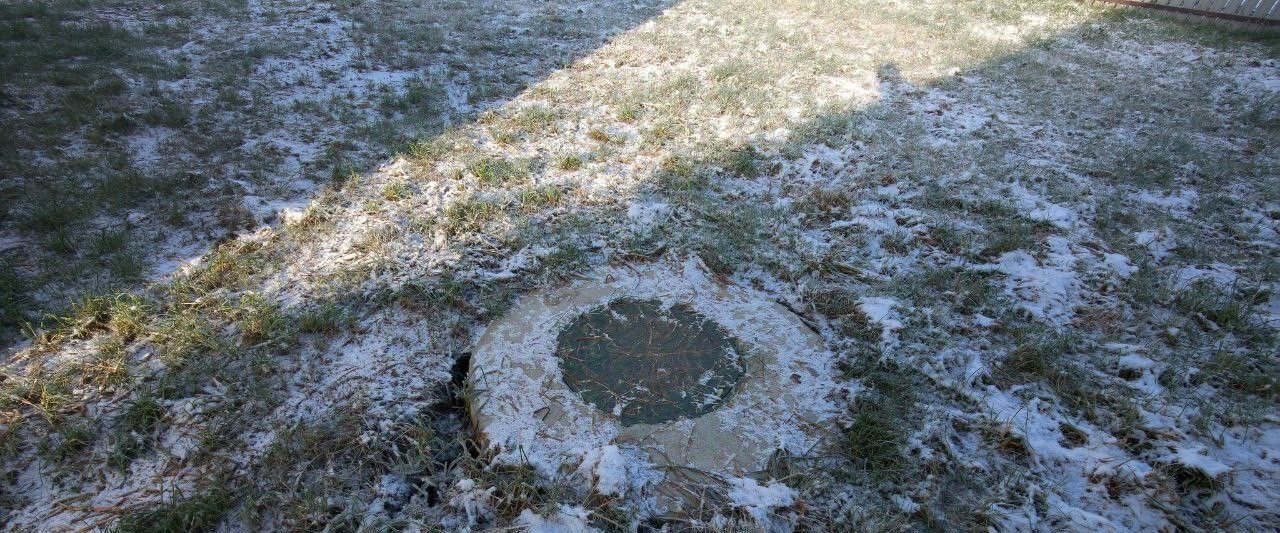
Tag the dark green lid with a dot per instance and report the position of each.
(659, 364)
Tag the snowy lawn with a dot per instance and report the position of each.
(246, 248)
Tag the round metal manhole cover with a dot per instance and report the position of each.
(648, 364)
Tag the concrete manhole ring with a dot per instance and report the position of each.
(660, 360)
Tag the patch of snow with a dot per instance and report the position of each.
(1120, 264)
(476, 502)
(146, 146)
(647, 214)
(1265, 75)
(860, 89)
(1180, 204)
(1039, 423)
(386, 359)
(1158, 242)
(1270, 310)
(607, 468)
(566, 519)
(1197, 457)
(759, 500)
(268, 209)
(881, 311)
(905, 504)
(1048, 289)
(1219, 274)
(512, 265)
(1037, 208)
(1143, 372)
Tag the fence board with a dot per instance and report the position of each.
(1237, 13)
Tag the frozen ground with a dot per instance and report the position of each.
(1040, 239)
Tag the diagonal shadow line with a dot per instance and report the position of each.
(479, 56)
(841, 128)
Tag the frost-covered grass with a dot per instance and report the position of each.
(1039, 236)
(140, 134)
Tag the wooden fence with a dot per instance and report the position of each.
(1236, 13)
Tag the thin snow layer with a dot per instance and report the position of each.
(136, 485)
(518, 375)
(472, 499)
(1158, 242)
(1220, 274)
(1038, 208)
(885, 224)
(607, 470)
(646, 214)
(325, 68)
(566, 519)
(1047, 289)
(880, 310)
(1143, 372)
(1038, 424)
(1180, 204)
(389, 362)
(1120, 264)
(759, 500)
(1261, 226)
(1270, 311)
